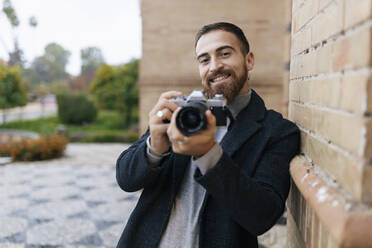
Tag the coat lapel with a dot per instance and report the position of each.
(245, 125)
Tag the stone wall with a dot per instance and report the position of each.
(168, 61)
(330, 203)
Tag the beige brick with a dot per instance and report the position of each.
(350, 52)
(324, 92)
(296, 5)
(344, 223)
(301, 41)
(307, 11)
(367, 183)
(308, 226)
(357, 13)
(354, 93)
(293, 67)
(346, 170)
(324, 3)
(303, 65)
(309, 232)
(368, 139)
(348, 93)
(369, 95)
(344, 130)
(294, 239)
(324, 59)
(315, 232)
(328, 23)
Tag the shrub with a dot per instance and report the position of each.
(12, 89)
(76, 109)
(105, 136)
(115, 88)
(45, 147)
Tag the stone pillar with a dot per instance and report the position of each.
(330, 100)
(168, 60)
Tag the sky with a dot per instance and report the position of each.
(112, 25)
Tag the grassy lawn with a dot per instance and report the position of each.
(108, 127)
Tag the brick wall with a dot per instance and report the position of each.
(330, 92)
(168, 61)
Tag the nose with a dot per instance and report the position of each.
(215, 65)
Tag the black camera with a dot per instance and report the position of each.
(191, 119)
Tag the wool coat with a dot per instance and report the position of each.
(245, 191)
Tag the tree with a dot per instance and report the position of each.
(116, 88)
(16, 55)
(12, 90)
(10, 13)
(49, 67)
(91, 59)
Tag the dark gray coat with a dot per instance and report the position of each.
(246, 190)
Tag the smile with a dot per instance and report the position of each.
(220, 78)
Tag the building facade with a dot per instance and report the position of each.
(330, 100)
(168, 59)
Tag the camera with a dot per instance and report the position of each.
(191, 119)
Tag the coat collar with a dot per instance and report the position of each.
(245, 125)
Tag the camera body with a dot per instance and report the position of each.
(191, 119)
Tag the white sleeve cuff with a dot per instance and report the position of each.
(208, 160)
(153, 157)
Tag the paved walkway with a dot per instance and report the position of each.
(71, 202)
(30, 111)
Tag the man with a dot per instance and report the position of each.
(223, 186)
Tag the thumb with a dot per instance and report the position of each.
(210, 118)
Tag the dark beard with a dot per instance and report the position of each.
(229, 91)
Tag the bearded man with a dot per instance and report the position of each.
(223, 186)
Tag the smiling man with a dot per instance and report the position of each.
(222, 186)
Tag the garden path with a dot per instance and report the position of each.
(71, 202)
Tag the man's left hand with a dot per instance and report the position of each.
(195, 145)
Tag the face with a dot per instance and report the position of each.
(223, 67)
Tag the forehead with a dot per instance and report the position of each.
(213, 40)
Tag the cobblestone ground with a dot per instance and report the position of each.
(72, 202)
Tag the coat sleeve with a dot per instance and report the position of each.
(132, 168)
(255, 202)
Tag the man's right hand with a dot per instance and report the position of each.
(158, 129)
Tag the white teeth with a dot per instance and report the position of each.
(219, 78)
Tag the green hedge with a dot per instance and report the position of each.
(76, 109)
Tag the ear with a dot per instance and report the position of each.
(249, 59)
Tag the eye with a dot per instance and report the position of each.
(225, 54)
(203, 60)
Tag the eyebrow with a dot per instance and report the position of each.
(217, 50)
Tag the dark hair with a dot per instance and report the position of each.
(228, 27)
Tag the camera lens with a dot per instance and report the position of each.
(191, 118)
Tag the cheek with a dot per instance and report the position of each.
(202, 72)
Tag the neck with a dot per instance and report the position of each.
(245, 89)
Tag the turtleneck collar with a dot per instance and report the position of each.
(239, 103)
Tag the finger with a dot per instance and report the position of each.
(159, 128)
(211, 119)
(171, 94)
(163, 116)
(161, 105)
(172, 129)
(165, 103)
(175, 113)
